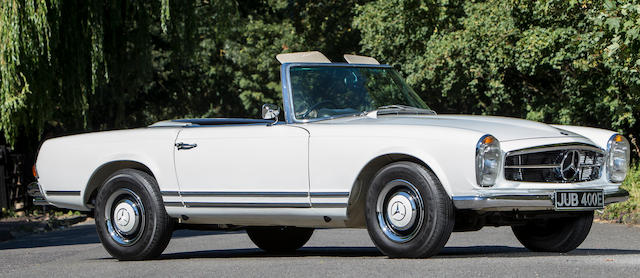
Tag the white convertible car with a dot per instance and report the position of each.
(356, 148)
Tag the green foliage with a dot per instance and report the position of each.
(567, 62)
(7, 213)
(71, 66)
(62, 63)
(628, 211)
(25, 53)
(263, 29)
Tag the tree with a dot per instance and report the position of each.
(568, 62)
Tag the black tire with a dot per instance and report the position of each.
(279, 239)
(555, 234)
(136, 195)
(402, 185)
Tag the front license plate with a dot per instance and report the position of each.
(579, 199)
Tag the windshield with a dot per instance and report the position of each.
(329, 91)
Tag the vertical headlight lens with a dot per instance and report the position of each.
(618, 158)
(487, 160)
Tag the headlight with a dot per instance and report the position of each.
(617, 158)
(487, 160)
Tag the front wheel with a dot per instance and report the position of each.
(279, 239)
(408, 212)
(130, 216)
(555, 234)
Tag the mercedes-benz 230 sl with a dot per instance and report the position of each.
(355, 147)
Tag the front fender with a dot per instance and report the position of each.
(337, 155)
(597, 135)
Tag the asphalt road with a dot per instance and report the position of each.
(610, 250)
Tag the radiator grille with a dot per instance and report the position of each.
(555, 164)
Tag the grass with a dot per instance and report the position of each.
(7, 213)
(627, 212)
(37, 213)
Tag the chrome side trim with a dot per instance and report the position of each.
(240, 194)
(254, 205)
(245, 205)
(538, 201)
(329, 205)
(63, 193)
(170, 193)
(254, 194)
(329, 194)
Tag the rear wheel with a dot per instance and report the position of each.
(408, 213)
(130, 216)
(556, 234)
(279, 239)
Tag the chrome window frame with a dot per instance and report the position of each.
(287, 93)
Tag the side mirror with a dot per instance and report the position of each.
(270, 112)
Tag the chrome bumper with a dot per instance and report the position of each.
(534, 201)
(33, 189)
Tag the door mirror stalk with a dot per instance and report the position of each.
(270, 112)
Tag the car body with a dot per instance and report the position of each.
(314, 171)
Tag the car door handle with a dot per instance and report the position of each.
(185, 146)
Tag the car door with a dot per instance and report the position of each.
(243, 166)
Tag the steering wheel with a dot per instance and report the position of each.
(316, 106)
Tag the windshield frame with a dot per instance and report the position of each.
(287, 93)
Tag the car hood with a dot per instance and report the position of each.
(503, 128)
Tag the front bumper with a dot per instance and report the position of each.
(33, 189)
(538, 200)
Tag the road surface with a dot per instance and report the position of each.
(609, 251)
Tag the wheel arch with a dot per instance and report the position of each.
(104, 171)
(357, 196)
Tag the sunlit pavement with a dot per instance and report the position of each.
(610, 250)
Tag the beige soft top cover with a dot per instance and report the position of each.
(317, 57)
(303, 57)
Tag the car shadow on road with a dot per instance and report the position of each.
(255, 252)
(447, 252)
(86, 234)
(516, 252)
(82, 234)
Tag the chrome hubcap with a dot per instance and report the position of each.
(124, 216)
(400, 210)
